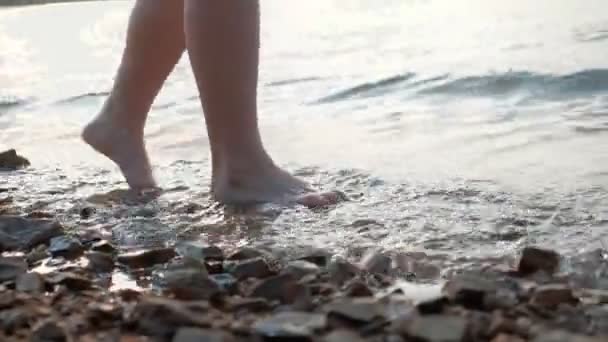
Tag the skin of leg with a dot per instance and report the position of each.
(154, 44)
(223, 40)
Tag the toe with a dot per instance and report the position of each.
(320, 199)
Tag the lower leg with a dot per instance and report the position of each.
(222, 39)
(155, 43)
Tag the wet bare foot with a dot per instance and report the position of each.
(269, 185)
(124, 148)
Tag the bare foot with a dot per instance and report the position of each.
(268, 184)
(123, 147)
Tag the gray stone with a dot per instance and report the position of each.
(70, 280)
(250, 268)
(341, 271)
(317, 256)
(103, 246)
(469, 290)
(162, 317)
(201, 335)
(10, 160)
(47, 331)
(18, 233)
(301, 268)
(534, 259)
(246, 253)
(11, 268)
(199, 251)
(146, 258)
(563, 336)
(438, 328)
(291, 325)
(283, 288)
(552, 295)
(100, 262)
(66, 247)
(188, 283)
(358, 310)
(30, 283)
(342, 336)
(375, 262)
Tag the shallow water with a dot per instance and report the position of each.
(465, 129)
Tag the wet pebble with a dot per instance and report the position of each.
(103, 246)
(250, 268)
(66, 247)
(11, 268)
(552, 295)
(342, 335)
(534, 259)
(357, 310)
(301, 268)
(199, 251)
(290, 325)
(30, 283)
(283, 288)
(341, 271)
(438, 328)
(70, 280)
(246, 253)
(201, 335)
(49, 330)
(100, 262)
(18, 233)
(375, 262)
(146, 258)
(10, 160)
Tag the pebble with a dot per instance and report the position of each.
(552, 295)
(534, 259)
(19, 233)
(250, 268)
(103, 246)
(199, 251)
(288, 325)
(342, 336)
(47, 331)
(341, 271)
(438, 328)
(377, 263)
(30, 283)
(201, 335)
(246, 253)
(11, 268)
(146, 258)
(301, 268)
(358, 310)
(507, 338)
(100, 262)
(283, 288)
(10, 160)
(65, 247)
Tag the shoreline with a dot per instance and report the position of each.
(58, 284)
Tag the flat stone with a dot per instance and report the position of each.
(301, 268)
(18, 233)
(70, 280)
(163, 317)
(291, 325)
(66, 247)
(11, 268)
(30, 283)
(100, 262)
(552, 295)
(201, 335)
(438, 328)
(376, 263)
(342, 336)
(250, 268)
(283, 288)
(189, 283)
(469, 290)
(535, 259)
(563, 336)
(47, 331)
(246, 253)
(316, 256)
(103, 246)
(341, 271)
(146, 258)
(199, 251)
(507, 338)
(10, 160)
(248, 304)
(358, 310)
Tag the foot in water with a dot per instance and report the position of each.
(268, 184)
(124, 147)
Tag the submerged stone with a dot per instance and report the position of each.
(18, 233)
(146, 258)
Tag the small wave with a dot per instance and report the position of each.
(79, 97)
(367, 89)
(582, 83)
(9, 102)
(291, 81)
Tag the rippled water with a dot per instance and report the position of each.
(464, 128)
